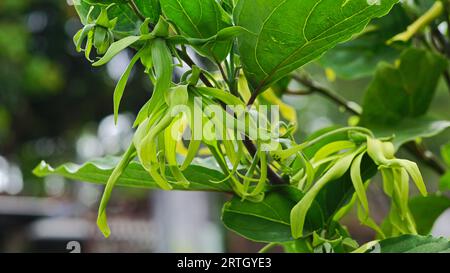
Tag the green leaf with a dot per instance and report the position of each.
(313, 149)
(397, 93)
(269, 220)
(99, 170)
(411, 129)
(358, 183)
(200, 19)
(426, 210)
(286, 34)
(397, 99)
(150, 9)
(444, 182)
(445, 152)
(116, 48)
(359, 57)
(120, 87)
(415, 244)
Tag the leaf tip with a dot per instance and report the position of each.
(39, 170)
(102, 224)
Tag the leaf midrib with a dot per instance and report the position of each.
(307, 43)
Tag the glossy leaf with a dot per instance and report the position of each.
(445, 152)
(99, 170)
(397, 100)
(411, 129)
(415, 244)
(286, 34)
(199, 19)
(268, 221)
(426, 210)
(116, 48)
(444, 182)
(397, 93)
(359, 57)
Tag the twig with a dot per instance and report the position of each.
(419, 151)
(222, 72)
(351, 107)
(136, 10)
(187, 59)
(268, 247)
(298, 92)
(423, 21)
(441, 44)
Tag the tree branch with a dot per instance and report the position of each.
(441, 44)
(350, 106)
(419, 151)
(136, 10)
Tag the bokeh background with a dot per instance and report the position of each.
(54, 106)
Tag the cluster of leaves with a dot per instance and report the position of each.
(296, 194)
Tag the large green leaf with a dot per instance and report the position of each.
(415, 244)
(444, 182)
(445, 151)
(200, 19)
(397, 92)
(426, 210)
(98, 171)
(269, 220)
(359, 57)
(286, 34)
(410, 129)
(397, 100)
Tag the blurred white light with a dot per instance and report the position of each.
(89, 146)
(54, 185)
(15, 184)
(11, 178)
(318, 123)
(45, 147)
(117, 65)
(443, 27)
(72, 26)
(37, 21)
(88, 194)
(441, 227)
(115, 138)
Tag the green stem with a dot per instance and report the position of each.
(268, 247)
(136, 10)
(284, 154)
(433, 13)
